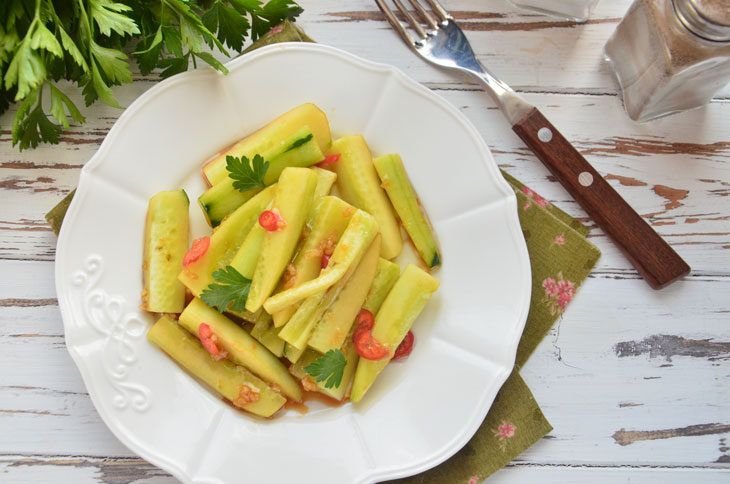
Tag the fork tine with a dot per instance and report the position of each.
(414, 23)
(440, 11)
(424, 14)
(395, 22)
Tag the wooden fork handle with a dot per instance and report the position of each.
(648, 252)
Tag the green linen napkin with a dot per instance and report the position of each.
(561, 259)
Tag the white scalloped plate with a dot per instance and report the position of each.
(419, 412)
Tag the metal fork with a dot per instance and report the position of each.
(440, 41)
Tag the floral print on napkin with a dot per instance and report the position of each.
(515, 420)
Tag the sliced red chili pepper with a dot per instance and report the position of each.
(198, 250)
(270, 220)
(365, 320)
(367, 346)
(325, 260)
(405, 347)
(206, 336)
(334, 158)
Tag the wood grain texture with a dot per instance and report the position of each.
(652, 256)
(624, 362)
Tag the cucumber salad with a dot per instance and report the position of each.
(295, 289)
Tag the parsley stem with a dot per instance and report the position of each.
(88, 30)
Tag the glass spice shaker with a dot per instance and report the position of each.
(577, 10)
(670, 55)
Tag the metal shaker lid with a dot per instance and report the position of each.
(709, 19)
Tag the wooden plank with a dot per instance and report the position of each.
(625, 358)
(675, 177)
(612, 363)
(41, 469)
(634, 381)
(531, 52)
(577, 474)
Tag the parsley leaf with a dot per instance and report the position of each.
(113, 62)
(108, 16)
(88, 42)
(247, 175)
(27, 70)
(58, 99)
(328, 368)
(231, 26)
(231, 293)
(148, 52)
(30, 127)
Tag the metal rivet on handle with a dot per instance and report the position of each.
(545, 135)
(585, 179)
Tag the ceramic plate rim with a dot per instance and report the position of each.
(168, 463)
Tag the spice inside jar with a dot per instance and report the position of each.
(670, 55)
(577, 10)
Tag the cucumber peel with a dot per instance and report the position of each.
(405, 201)
(265, 332)
(241, 347)
(291, 353)
(325, 180)
(359, 185)
(401, 307)
(385, 276)
(292, 201)
(335, 323)
(222, 198)
(299, 328)
(333, 215)
(247, 256)
(165, 244)
(222, 376)
(310, 356)
(358, 235)
(225, 242)
(273, 136)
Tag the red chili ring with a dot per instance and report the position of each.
(269, 220)
(405, 347)
(198, 250)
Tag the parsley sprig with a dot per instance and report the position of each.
(247, 175)
(87, 43)
(328, 368)
(230, 294)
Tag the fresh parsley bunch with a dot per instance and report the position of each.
(88, 42)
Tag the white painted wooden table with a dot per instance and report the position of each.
(636, 382)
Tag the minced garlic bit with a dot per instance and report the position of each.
(325, 246)
(290, 276)
(280, 222)
(314, 254)
(309, 385)
(328, 245)
(247, 395)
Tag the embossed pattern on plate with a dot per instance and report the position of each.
(475, 318)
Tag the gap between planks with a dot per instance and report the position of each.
(100, 460)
